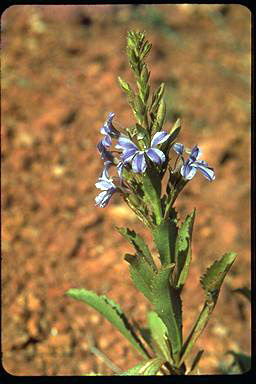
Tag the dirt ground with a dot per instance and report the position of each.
(59, 81)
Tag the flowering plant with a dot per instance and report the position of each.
(140, 157)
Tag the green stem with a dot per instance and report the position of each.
(198, 328)
(173, 196)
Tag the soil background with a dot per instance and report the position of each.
(59, 81)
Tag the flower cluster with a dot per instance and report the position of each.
(133, 157)
(131, 154)
(192, 164)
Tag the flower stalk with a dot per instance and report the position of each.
(135, 163)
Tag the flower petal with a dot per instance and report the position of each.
(159, 138)
(178, 148)
(206, 171)
(156, 155)
(128, 155)
(139, 163)
(105, 130)
(104, 154)
(119, 168)
(195, 153)
(107, 141)
(103, 198)
(187, 171)
(105, 175)
(107, 165)
(104, 185)
(125, 144)
(201, 162)
(110, 117)
(108, 128)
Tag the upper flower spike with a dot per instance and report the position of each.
(192, 164)
(131, 152)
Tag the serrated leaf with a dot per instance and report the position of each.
(139, 244)
(112, 312)
(164, 236)
(141, 274)
(212, 279)
(159, 334)
(168, 307)
(146, 368)
(183, 250)
(211, 282)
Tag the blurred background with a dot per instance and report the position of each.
(59, 81)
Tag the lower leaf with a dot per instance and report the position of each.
(146, 368)
(112, 312)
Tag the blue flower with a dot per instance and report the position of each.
(192, 164)
(108, 130)
(119, 168)
(107, 187)
(132, 154)
(178, 148)
(104, 153)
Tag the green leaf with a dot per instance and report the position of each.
(112, 312)
(139, 105)
(145, 75)
(164, 236)
(159, 334)
(157, 96)
(174, 131)
(211, 282)
(159, 118)
(168, 307)
(139, 245)
(145, 368)
(246, 292)
(212, 279)
(125, 86)
(144, 333)
(152, 189)
(183, 250)
(141, 274)
(196, 361)
(146, 50)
